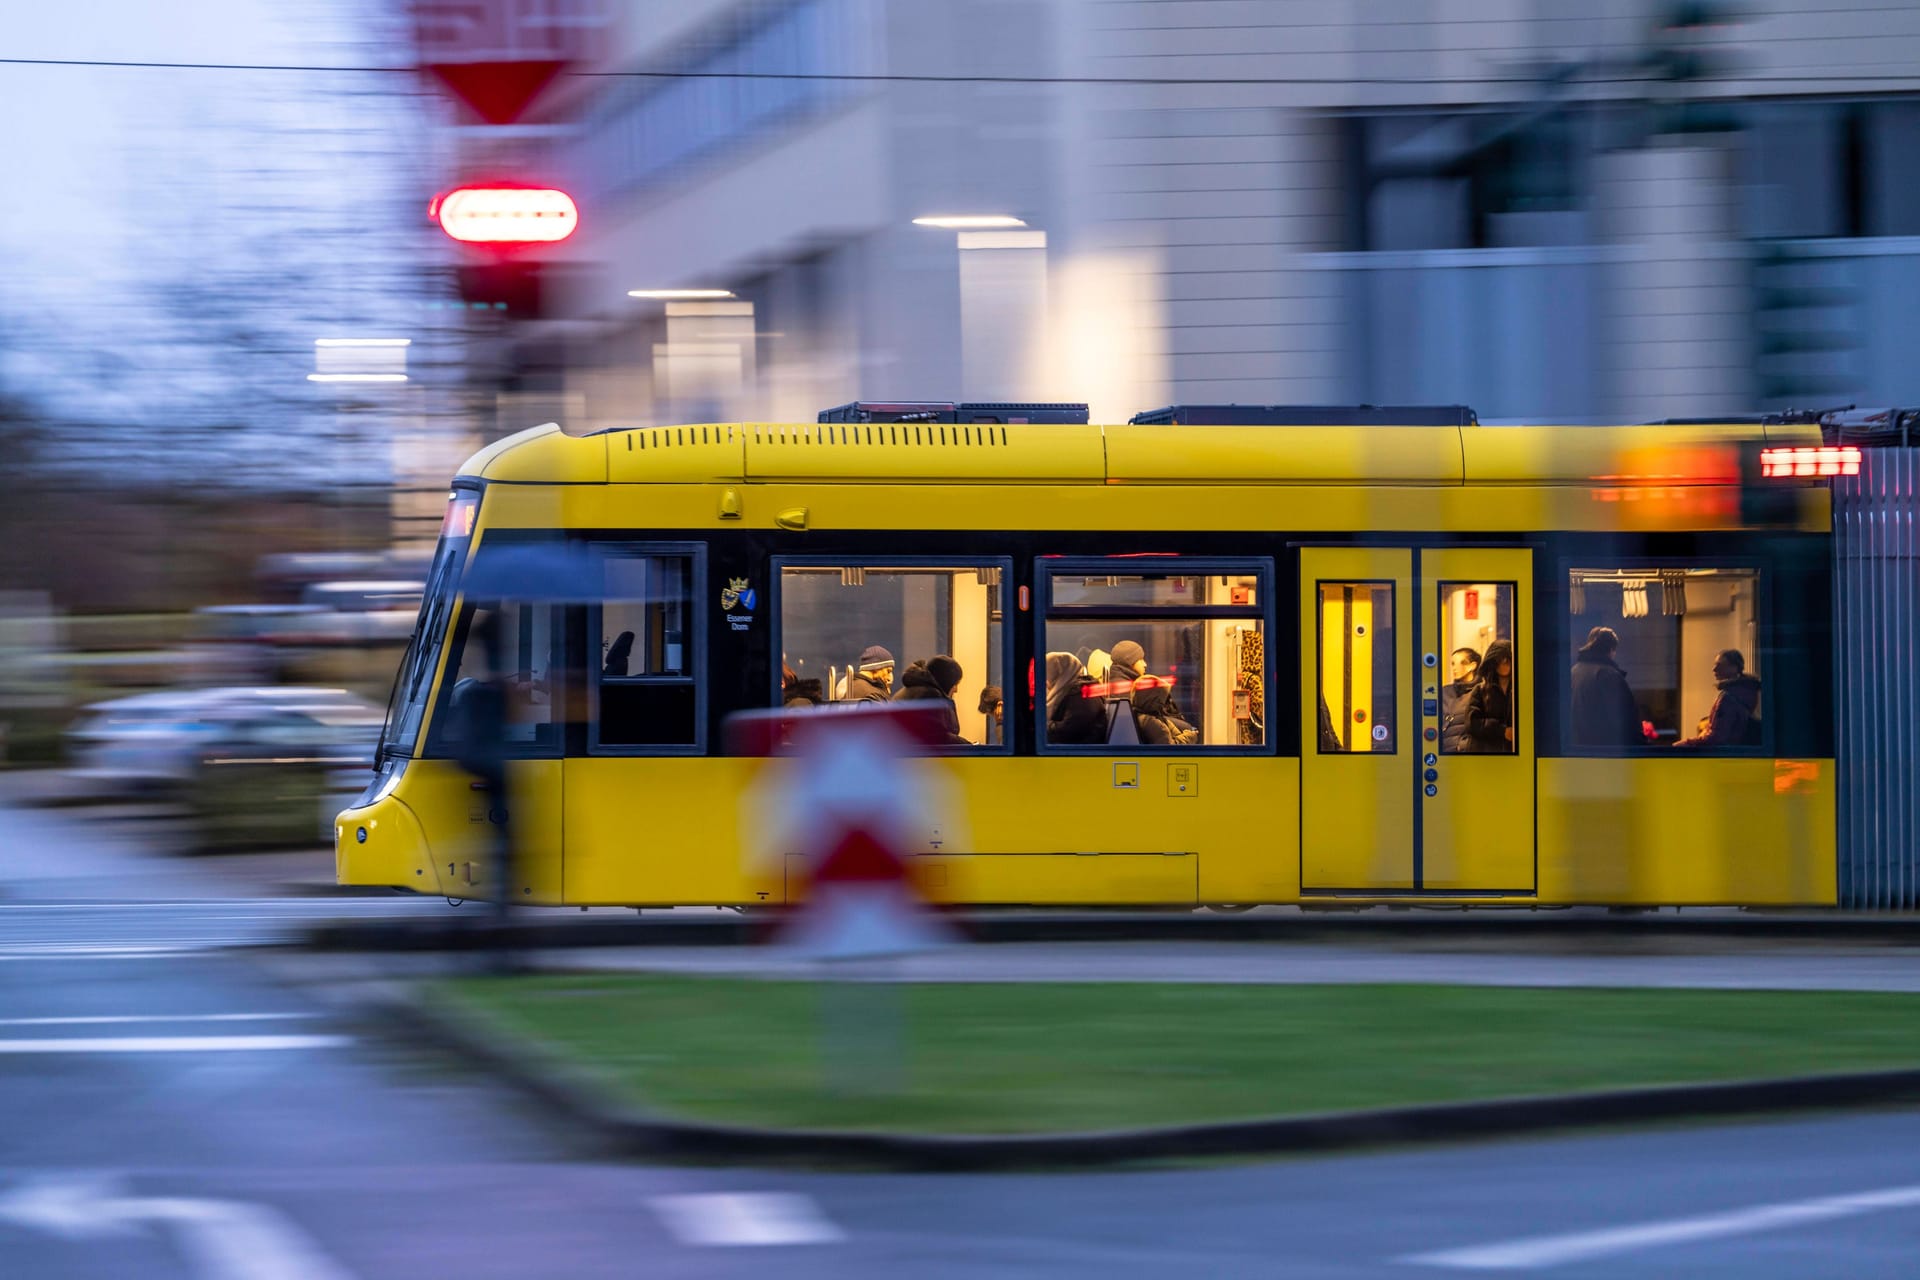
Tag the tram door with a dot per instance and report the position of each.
(1402, 789)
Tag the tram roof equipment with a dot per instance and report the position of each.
(948, 411)
(1308, 415)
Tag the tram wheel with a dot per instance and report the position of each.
(1231, 908)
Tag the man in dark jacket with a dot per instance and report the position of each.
(873, 682)
(1463, 665)
(1604, 713)
(1734, 720)
(934, 681)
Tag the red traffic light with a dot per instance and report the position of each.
(505, 215)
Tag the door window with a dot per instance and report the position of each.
(1479, 692)
(1357, 668)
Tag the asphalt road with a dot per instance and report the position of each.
(168, 1109)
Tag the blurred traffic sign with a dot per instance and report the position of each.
(861, 787)
(498, 92)
(497, 56)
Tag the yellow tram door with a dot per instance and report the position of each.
(1357, 740)
(1476, 794)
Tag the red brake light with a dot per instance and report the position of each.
(1805, 461)
(506, 215)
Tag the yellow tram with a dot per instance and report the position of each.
(1304, 600)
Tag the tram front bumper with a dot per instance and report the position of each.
(383, 843)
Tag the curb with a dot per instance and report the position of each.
(565, 1096)
(1530, 928)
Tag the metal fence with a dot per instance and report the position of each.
(1877, 682)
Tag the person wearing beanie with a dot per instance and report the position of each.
(934, 681)
(1129, 660)
(873, 682)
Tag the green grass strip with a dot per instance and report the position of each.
(1050, 1057)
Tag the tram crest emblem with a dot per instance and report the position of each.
(737, 592)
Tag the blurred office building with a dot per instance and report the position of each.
(1545, 209)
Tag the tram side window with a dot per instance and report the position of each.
(1155, 659)
(877, 632)
(1478, 697)
(1663, 657)
(518, 647)
(1357, 709)
(646, 694)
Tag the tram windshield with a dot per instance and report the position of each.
(408, 704)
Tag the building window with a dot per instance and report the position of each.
(1479, 700)
(1664, 657)
(1357, 668)
(646, 687)
(1170, 658)
(873, 631)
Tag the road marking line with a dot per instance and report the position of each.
(171, 1044)
(78, 1020)
(745, 1218)
(136, 953)
(1580, 1246)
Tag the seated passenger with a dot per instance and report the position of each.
(619, 654)
(934, 681)
(1734, 720)
(994, 707)
(1129, 662)
(873, 682)
(1072, 716)
(1157, 717)
(797, 693)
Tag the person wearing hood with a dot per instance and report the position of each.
(1072, 717)
(1604, 713)
(934, 681)
(1158, 718)
(1490, 706)
(873, 682)
(1734, 720)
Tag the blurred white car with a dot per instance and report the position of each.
(158, 740)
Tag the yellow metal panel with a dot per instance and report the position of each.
(1170, 508)
(678, 455)
(1666, 830)
(394, 853)
(435, 823)
(690, 851)
(1012, 455)
(542, 455)
(1058, 879)
(1477, 831)
(663, 831)
(1356, 810)
(1287, 455)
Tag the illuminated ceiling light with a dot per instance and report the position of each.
(363, 342)
(356, 377)
(679, 295)
(506, 215)
(969, 221)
